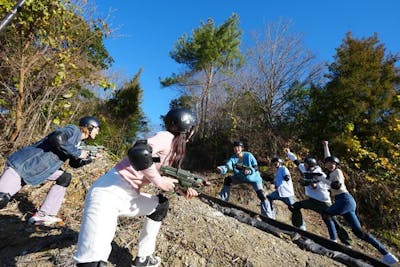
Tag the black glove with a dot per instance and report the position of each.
(76, 163)
(286, 178)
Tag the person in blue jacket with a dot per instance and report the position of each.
(42, 161)
(245, 170)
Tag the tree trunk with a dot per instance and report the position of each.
(19, 105)
(205, 96)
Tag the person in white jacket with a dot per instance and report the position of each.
(318, 198)
(283, 186)
(345, 205)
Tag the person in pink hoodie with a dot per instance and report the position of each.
(117, 193)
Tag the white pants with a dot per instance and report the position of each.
(109, 197)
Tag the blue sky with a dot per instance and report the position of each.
(147, 31)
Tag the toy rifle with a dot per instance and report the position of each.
(186, 178)
(93, 150)
(242, 167)
(310, 179)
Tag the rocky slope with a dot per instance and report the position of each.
(193, 234)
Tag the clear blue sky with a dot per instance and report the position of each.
(148, 30)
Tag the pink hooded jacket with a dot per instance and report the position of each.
(161, 143)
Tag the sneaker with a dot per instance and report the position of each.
(40, 218)
(390, 259)
(347, 244)
(151, 260)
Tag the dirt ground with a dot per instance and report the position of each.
(193, 234)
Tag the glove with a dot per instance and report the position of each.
(76, 163)
(286, 178)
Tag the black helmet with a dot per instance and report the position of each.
(179, 120)
(332, 159)
(90, 122)
(238, 143)
(310, 161)
(277, 160)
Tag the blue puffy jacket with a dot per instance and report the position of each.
(249, 161)
(36, 162)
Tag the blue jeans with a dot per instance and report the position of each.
(289, 201)
(257, 186)
(235, 179)
(345, 205)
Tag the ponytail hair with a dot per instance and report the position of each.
(85, 130)
(178, 150)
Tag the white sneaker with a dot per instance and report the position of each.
(151, 261)
(389, 259)
(40, 218)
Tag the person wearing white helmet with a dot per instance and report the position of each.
(318, 198)
(118, 193)
(42, 161)
(283, 183)
(345, 205)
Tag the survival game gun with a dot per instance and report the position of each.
(93, 150)
(310, 179)
(241, 167)
(186, 178)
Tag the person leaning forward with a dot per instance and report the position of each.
(42, 161)
(318, 198)
(118, 193)
(345, 205)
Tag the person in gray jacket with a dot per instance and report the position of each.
(42, 161)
